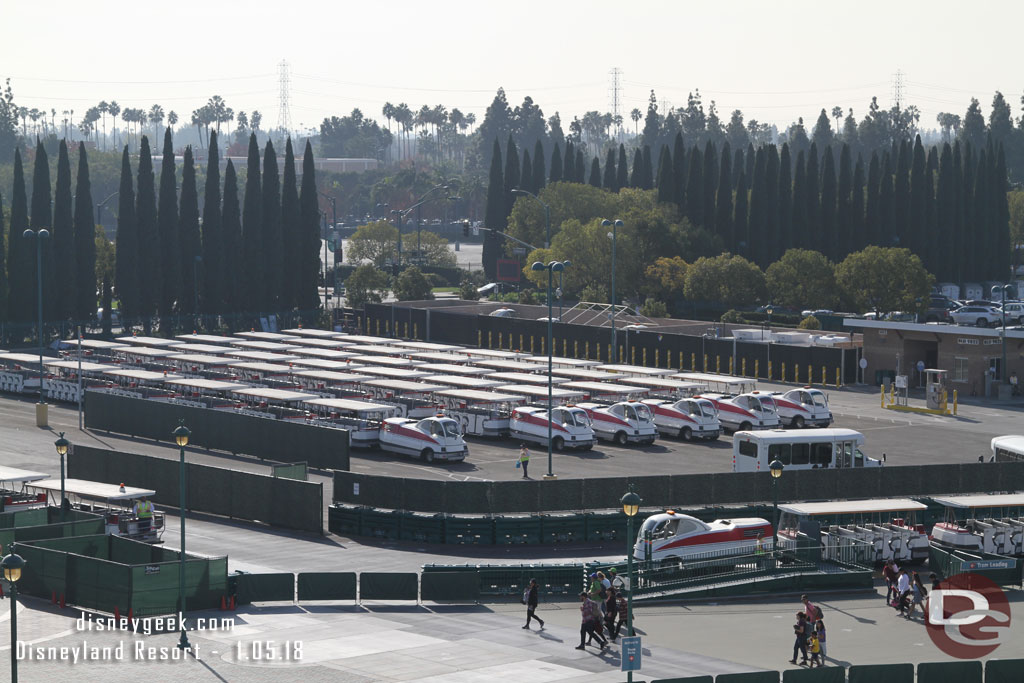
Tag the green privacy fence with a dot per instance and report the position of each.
(286, 503)
(322, 447)
(1001, 569)
(106, 572)
(295, 470)
(43, 523)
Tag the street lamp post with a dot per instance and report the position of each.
(1004, 290)
(565, 263)
(39, 235)
(12, 566)
(547, 214)
(630, 505)
(181, 434)
(614, 225)
(768, 368)
(551, 267)
(776, 469)
(61, 444)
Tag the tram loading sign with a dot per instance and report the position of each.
(632, 651)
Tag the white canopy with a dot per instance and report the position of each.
(13, 474)
(93, 489)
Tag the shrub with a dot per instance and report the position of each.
(732, 316)
(653, 308)
(810, 323)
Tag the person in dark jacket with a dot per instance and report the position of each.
(531, 605)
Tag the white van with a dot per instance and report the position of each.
(802, 449)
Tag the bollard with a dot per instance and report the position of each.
(810, 374)
(783, 377)
(490, 338)
(655, 357)
(743, 367)
(586, 350)
(757, 367)
(824, 377)
(632, 356)
(499, 340)
(406, 330)
(378, 327)
(531, 343)
(704, 368)
(882, 395)
(645, 357)
(718, 365)
(730, 365)
(693, 361)
(521, 342)
(576, 349)
(610, 360)
(954, 401)
(837, 378)
(565, 347)
(769, 369)
(796, 373)
(543, 341)
(415, 331)
(479, 338)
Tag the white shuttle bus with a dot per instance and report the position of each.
(802, 449)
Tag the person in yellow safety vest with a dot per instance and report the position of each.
(144, 513)
(524, 459)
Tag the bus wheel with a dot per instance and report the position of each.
(558, 443)
(620, 438)
(685, 433)
(427, 455)
(798, 422)
(745, 427)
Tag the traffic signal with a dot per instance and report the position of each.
(465, 228)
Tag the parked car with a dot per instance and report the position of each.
(816, 313)
(503, 313)
(982, 316)
(1014, 311)
(977, 302)
(939, 308)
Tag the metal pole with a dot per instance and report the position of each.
(79, 381)
(615, 349)
(547, 224)
(400, 216)
(39, 285)
(14, 632)
(629, 569)
(62, 488)
(325, 261)
(551, 408)
(560, 294)
(1002, 368)
(183, 643)
(775, 515)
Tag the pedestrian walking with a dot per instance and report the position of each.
(918, 594)
(889, 574)
(819, 628)
(531, 604)
(589, 622)
(524, 459)
(814, 647)
(622, 608)
(595, 593)
(902, 592)
(800, 632)
(617, 582)
(611, 608)
(936, 582)
(812, 611)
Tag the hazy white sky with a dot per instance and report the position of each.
(774, 60)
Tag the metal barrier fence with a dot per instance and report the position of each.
(44, 523)
(1003, 570)
(322, 447)
(279, 502)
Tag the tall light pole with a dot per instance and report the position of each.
(12, 566)
(1003, 291)
(565, 263)
(630, 505)
(61, 444)
(776, 469)
(614, 225)
(39, 235)
(400, 214)
(181, 434)
(99, 207)
(552, 267)
(547, 214)
(768, 368)
(334, 226)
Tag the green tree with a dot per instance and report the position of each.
(1001, 265)
(611, 174)
(973, 131)
(412, 285)
(666, 277)
(291, 234)
(636, 176)
(884, 280)
(829, 233)
(917, 239)
(723, 203)
(18, 283)
(41, 218)
(435, 250)
(727, 279)
(171, 265)
(539, 173)
(366, 284)
(872, 210)
(495, 215)
(802, 279)
(901, 199)
(844, 217)
(653, 308)
(232, 298)
(252, 234)
(621, 170)
(758, 221)
(150, 283)
(214, 297)
(648, 169)
(595, 172)
(741, 239)
(855, 240)
(127, 276)
(652, 124)
(309, 260)
(812, 202)
(86, 284)
(710, 185)
(666, 178)
(679, 170)
(190, 243)
(822, 134)
(376, 242)
(809, 323)
(3, 266)
(526, 173)
(799, 236)
(695, 188)
(772, 245)
(556, 165)
(273, 243)
(785, 203)
(63, 240)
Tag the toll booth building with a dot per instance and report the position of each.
(971, 356)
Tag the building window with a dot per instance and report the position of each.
(959, 369)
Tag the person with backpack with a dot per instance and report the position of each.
(589, 622)
(800, 644)
(812, 611)
(610, 610)
(889, 574)
(918, 594)
(530, 600)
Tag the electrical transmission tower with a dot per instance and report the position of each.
(898, 94)
(615, 99)
(284, 116)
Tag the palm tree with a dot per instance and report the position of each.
(23, 114)
(403, 117)
(636, 116)
(471, 120)
(172, 118)
(103, 108)
(156, 117)
(197, 121)
(254, 118)
(439, 116)
(114, 109)
(837, 114)
(389, 113)
(35, 114)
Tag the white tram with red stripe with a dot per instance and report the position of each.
(804, 407)
(675, 537)
(623, 422)
(430, 439)
(755, 410)
(570, 426)
(688, 418)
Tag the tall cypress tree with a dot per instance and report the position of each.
(41, 217)
(189, 241)
(666, 179)
(636, 176)
(843, 217)
(309, 257)
(171, 265)
(771, 203)
(252, 235)
(61, 305)
(556, 165)
(915, 226)
(539, 173)
(710, 184)
(526, 175)
(679, 163)
(828, 231)
(581, 166)
(695, 188)
(3, 266)
(799, 237)
(856, 241)
(785, 200)
(273, 244)
(723, 203)
(231, 297)
(569, 163)
(622, 169)
(758, 210)
(748, 163)
(495, 215)
(127, 245)
(611, 174)
(215, 267)
(741, 238)
(872, 211)
(594, 178)
(291, 232)
(511, 174)
(150, 281)
(737, 167)
(648, 168)
(84, 296)
(901, 199)
(887, 237)
(964, 179)
(977, 242)
(1002, 262)
(813, 199)
(19, 284)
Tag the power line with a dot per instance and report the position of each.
(91, 82)
(284, 116)
(616, 74)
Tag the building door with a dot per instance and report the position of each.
(995, 367)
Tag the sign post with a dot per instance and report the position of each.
(632, 653)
